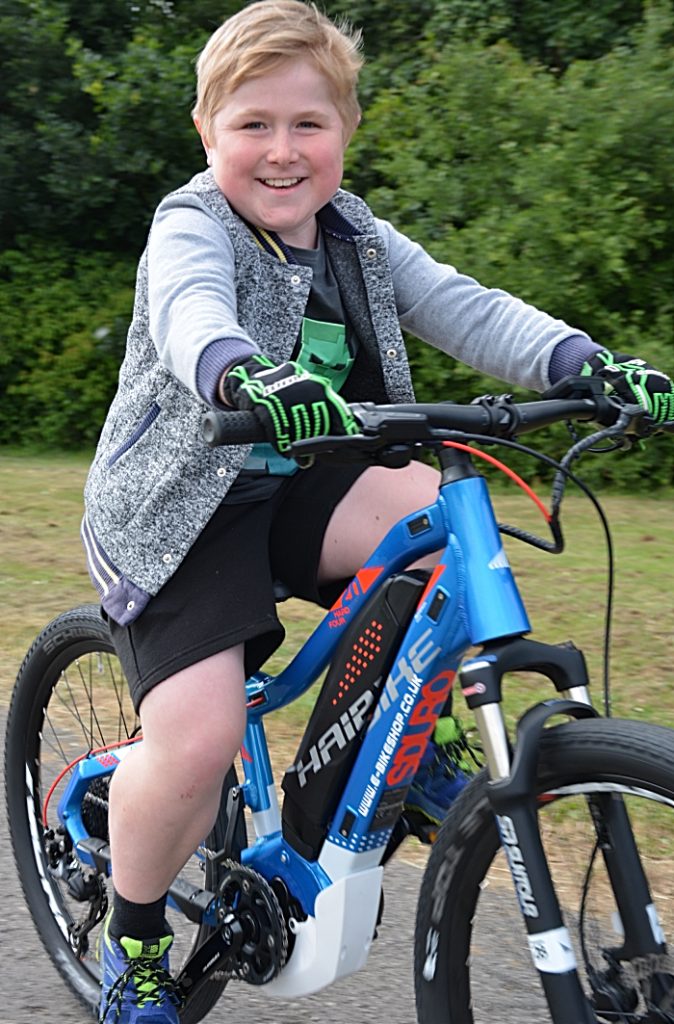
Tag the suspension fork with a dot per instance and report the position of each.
(512, 796)
(643, 935)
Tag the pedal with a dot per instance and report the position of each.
(422, 827)
(400, 832)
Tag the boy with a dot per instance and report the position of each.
(264, 286)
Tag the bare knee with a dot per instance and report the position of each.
(194, 721)
(204, 753)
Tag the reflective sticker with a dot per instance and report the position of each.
(552, 952)
(431, 961)
(656, 927)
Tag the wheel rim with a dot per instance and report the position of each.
(83, 704)
(503, 982)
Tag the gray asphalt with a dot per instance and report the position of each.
(31, 990)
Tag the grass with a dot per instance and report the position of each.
(42, 572)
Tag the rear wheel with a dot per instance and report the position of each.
(71, 698)
(472, 959)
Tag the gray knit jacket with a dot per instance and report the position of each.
(210, 290)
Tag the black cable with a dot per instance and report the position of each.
(563, 475)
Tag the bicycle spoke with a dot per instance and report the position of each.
(72, 702)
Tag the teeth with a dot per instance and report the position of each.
(281, 182)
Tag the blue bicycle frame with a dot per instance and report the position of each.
(471, 598)
(316, 866)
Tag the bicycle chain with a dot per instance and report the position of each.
(246, 895)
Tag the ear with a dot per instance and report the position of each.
(204, 138)
(351, 131)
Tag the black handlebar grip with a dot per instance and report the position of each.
(219, 428)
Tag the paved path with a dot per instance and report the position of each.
(31, 990)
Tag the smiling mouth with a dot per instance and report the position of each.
(280, 183)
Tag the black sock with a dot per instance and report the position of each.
(138, 920)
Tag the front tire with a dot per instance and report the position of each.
(71, 697)
(472, 961)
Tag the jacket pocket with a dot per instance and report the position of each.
(135, 436)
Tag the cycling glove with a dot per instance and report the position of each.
(635, 381)
(292, 404)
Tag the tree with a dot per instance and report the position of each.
(554, 35)
(63, 321)
(557, 190)
(96, 115)
(529, 144)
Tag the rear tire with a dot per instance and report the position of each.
(70, 697)
(472, 961)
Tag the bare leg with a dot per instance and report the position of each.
(164, 797)
(377, 500)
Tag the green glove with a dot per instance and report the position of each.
(635, 381)
(292, 404)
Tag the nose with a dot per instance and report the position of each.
(282, 149)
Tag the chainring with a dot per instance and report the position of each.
(248, 897)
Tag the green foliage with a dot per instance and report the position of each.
(554, 34)
(96, 120)
(63, 322)
(556, 189)
(528, 144)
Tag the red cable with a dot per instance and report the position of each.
(504, 469)
(69, 767)
(255, 701)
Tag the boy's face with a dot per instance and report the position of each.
(276, 148)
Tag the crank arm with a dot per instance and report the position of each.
(216, 954)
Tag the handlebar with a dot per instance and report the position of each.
(384, 426)
(219, 428)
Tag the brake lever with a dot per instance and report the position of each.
(353, 449)
(381, 423)
(381, 431)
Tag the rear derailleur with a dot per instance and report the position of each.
(83, 888)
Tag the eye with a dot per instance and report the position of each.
(252, 126)
(311, 125)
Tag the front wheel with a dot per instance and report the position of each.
(71, 698)
(472, 960)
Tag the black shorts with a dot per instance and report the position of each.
(222, 593)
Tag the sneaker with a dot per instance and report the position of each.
(445, 770)
(136, 986)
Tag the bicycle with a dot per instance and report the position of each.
(300, 906)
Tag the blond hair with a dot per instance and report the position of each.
(264, 35)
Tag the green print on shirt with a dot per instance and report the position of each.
(323, 351)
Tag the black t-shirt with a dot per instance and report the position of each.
(265, 469)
